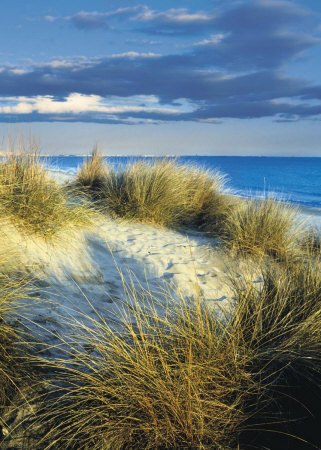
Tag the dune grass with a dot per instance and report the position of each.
(191, 377)
(173, 195)
(92, 175)
(310, 243)
(258, 227)
(281, 320)
(32, 200)
(164, 193)
(15, 370)
(170, 372)
(162, 381)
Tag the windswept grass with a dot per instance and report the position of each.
(32, 200)
(173, 195)
(12, 369)
(15, 371)
(175, 380)
(281, 322)
(164, 193)
(190, 377)
(310, 243)
(262, 227)
(92, 175)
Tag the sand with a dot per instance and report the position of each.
(82, 275)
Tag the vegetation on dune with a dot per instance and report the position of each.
(170, 381)
(281, 321)
(164, 193)
(92, 175)
(198, 378)
(15, 370)
(259, 227)
(173, 195)
(32, 200)
(173, 373)
(310, 243)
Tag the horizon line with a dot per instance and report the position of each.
(177, 156)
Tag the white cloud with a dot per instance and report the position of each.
(210, 120)
(92, 19)
(77, 103)
(180, 15)
(50, 18)
(132, 55)
(214, 39)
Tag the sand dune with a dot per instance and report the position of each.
(83, 276)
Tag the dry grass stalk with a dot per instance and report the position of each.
(92, 175)
(32, 200)
(164, 193)
(259, 227)
(171, 380)
(178, 375)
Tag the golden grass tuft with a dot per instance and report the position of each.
(32, 200)
(310, 243)
(164, 193)
(173, 195)
(15, 370)
(176, 374)
(171, 380)
(92, 175)
(259, 227)
(280, 320)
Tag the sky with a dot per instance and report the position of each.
(158, 77)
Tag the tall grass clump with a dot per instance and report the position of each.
(281, 322)
(32, 200)
(164, 193)
(175, 380)
(10, 356)
(92, 175)
(310, 243)
(261, 227)
(192, 377)
(15, 370)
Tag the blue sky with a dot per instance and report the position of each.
(160, 77)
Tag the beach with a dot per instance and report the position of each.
(160, 225)
(86, 278)
(129, 282)
(85, 273)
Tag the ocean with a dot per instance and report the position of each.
(295, 180)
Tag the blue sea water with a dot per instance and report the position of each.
(296, 180)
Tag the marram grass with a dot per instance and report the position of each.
(280, 320)
(179, 375)
(173, 195)
(164, 193)
(92, 175)
(15, 370)
(163, 381)
(32, 200)
(262, 227)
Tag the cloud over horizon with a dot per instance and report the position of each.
(234, 65)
